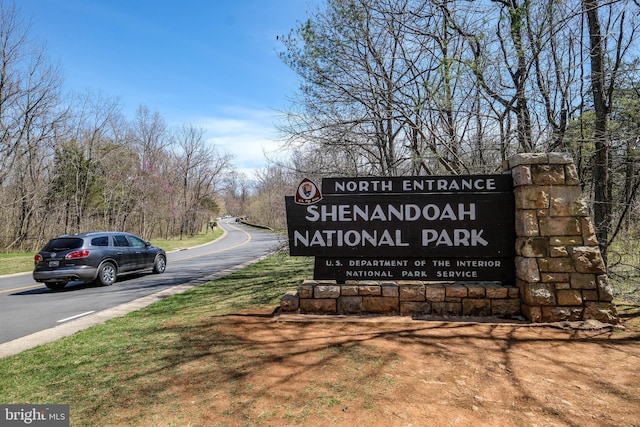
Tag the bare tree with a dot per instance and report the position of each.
(79, 153)
(150, 139)
(267, 203)
(353, 59)
(236, 192)
(609, 43)
(30, 112)
(199, 170)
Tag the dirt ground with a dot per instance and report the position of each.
(293, 370)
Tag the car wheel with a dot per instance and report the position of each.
(55, 286)
(106, 274)
(160, 264)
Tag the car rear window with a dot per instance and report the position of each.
(63, 244)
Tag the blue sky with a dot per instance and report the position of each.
(210, 63)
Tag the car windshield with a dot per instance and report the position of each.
(63, 244)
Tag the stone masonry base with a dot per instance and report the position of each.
(404, 298)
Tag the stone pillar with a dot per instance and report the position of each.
(559, 268)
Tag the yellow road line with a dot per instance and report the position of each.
(221, 250)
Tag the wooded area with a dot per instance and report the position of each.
(72, 163)
(416, 87)
(387, 88)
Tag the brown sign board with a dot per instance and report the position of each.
(412, 228)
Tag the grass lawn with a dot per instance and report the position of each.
(103, 368)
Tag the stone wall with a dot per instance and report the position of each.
(559, 268)
(405, 298)
(560, 273)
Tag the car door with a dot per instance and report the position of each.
(141, 256)
(123, 253)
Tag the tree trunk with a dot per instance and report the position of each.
(601, 178)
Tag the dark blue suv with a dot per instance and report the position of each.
(96, 256)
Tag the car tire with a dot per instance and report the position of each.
(55, 286)
(160, 264)
(106, 274)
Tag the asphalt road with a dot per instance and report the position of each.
(31, 314)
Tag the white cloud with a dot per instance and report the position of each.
(248, 135)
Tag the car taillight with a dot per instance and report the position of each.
(77, 254)
(38, 258)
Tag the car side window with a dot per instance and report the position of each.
(137, 243)
(100, 241)
(121, 240)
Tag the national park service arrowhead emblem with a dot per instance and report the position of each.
(307, 193)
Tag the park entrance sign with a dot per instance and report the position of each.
(519, 244)
(445, 228)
